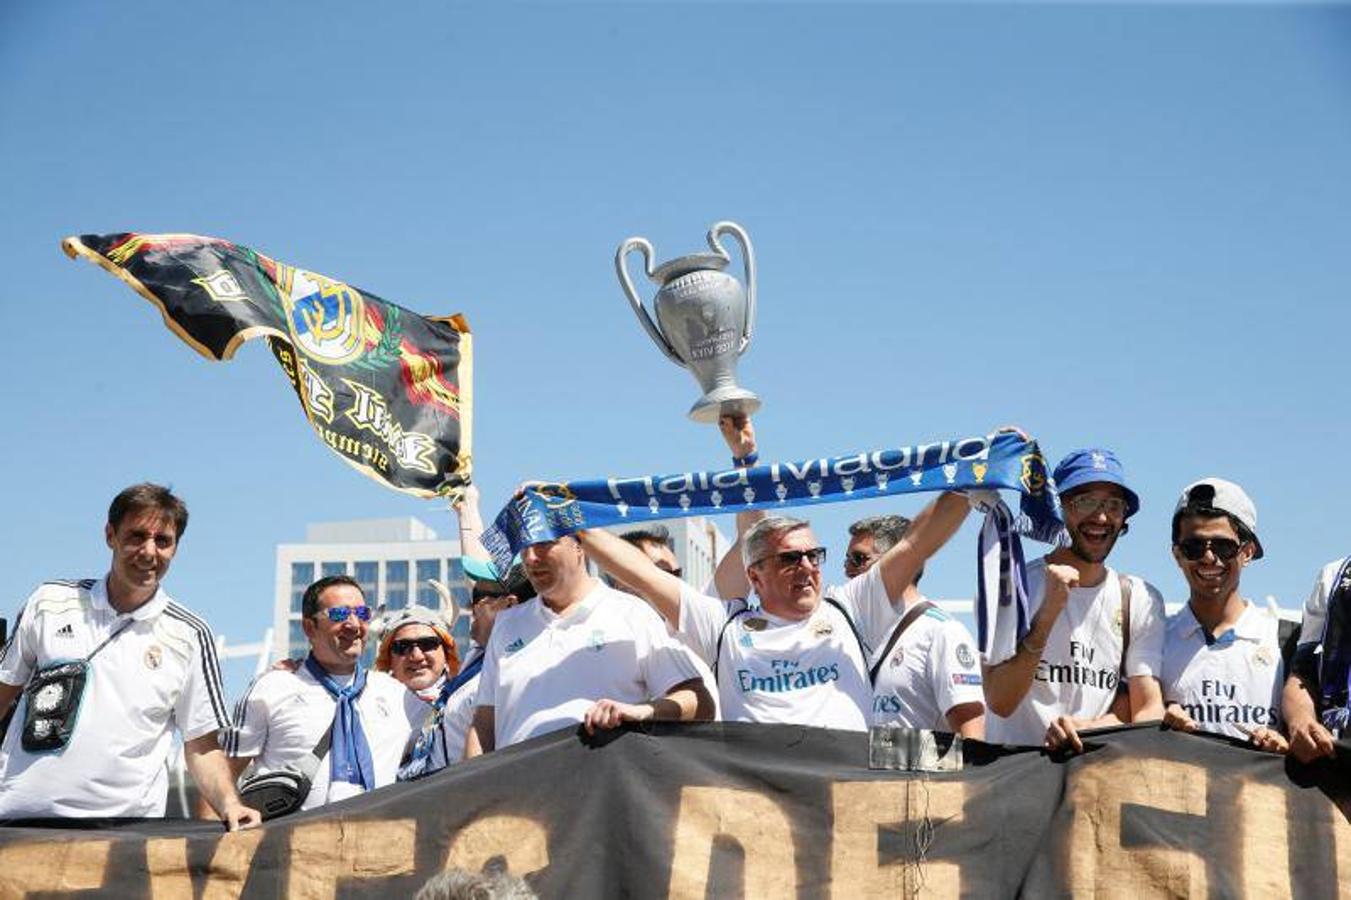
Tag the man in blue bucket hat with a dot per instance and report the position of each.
(1093, 629)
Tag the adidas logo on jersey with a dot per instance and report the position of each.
(515, 645)
(65, 631)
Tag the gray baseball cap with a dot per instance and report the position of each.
(1223, 497)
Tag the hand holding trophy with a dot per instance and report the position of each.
(703, 317)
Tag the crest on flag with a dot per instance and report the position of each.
(386, 389)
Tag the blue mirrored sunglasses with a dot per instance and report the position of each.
(340, 613)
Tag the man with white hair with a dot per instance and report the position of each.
(800, 657)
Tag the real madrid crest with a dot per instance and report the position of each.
(1263, 656)
(1117, 622)
(821, 628)
(154, 656)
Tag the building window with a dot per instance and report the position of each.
(454, 570)
(333, 568)
(302, 573)
(427, 569)
(296, 643)
(396, 584)
(367, 574)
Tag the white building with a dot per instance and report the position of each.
(394, 559)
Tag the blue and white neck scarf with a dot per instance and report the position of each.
(1334, 666)
(1002, 461)
(349, 758)
(429, 749)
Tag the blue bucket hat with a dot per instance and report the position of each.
(1094, 465)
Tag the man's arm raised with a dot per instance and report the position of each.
(625, 562)
(729, 579)
(929, 531)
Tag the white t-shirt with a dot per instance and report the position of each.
(1231, 681)
(931, 668)
(808, 671)
(1316, 607)
(284, 714)
(542, 671)
(157, 675)
(1078, 672)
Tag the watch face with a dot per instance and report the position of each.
(49, 697)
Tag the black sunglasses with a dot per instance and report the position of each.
(404, 646)
(790, 558)
(858, 558)
(1193, 549)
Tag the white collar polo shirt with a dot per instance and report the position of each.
(1225, 683)
(1316, 607)
(1079, 669)
(810, 671)
(542, 671)
(284, 714)
(158, 674)
(931, 668)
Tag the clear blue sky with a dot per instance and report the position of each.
(1122, 225)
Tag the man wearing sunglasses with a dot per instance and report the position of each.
(284, 715)
(1221, 654)
(796, 658)
(1092, 628)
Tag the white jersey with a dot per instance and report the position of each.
(931, 668)
(809, 671)
(284, 714)
(543, 671)
(157, 675)
(1316, 607)
(1079, 669)
(1226, 682)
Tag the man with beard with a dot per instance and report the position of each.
(1091, 627)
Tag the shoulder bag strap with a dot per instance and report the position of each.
(717, 651)
(109, 639)
(1125, 629)
(907, 620)
(862, 647)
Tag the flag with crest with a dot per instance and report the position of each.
(386, 389)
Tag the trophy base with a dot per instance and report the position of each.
(724, 401)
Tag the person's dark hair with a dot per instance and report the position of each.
(147, 496)
(886, 532)
(309, 604)
(657, 534)
(1203, 511)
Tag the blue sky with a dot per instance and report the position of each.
(1122, 225)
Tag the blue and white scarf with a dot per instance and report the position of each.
(1002, 461)
(429, 749)
(349, 758)
(1334, 660)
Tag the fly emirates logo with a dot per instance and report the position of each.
(1080, 669)
(786, 675)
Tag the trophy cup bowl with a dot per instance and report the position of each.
(703, 318)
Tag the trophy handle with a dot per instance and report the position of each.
(748, 260)
(639, 310)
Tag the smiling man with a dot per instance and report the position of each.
(1091, 627)
(800, 658)
(285, 714)
(1222, 655)
(92, 739)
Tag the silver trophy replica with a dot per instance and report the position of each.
(704, 317)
